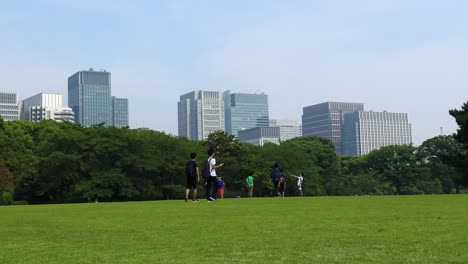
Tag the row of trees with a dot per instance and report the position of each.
(50, 162)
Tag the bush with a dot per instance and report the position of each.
(6, 198)
(21, 202)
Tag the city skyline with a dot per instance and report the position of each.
(390, 55)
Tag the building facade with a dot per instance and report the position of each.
(326, 120)
(9, 106)
(43, 106)
(260, 135)
(244, 111)
(200, 113)
(289, 129)
(59, 114)
(119, 112)
(367, 131)
(89, 96)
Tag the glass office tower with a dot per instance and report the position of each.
(326, 120)
(246, 111)
(366, 131)
(9, 106)
(89, 96)
(119, 112)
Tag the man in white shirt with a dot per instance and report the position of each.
(300, 180)
(212, 181)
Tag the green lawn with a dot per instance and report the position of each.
(384, 229)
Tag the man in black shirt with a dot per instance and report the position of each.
(193, 177)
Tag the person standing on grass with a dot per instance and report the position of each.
(221, 186)
(212, 180)
(275, 177)
(193, 177)
(300, 180)
(250, 180)
(282, 187)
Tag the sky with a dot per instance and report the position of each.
(392, 55)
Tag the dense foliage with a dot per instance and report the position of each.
(52, 162)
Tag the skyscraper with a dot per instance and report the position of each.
(366, 131)
(244, 111)
(45, 106)
(326, 120)
(8, 106)
(200, 113)
(89, 96)
(119, 112)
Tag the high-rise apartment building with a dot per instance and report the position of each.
(244, 111)
(200, 113)
(289, 129)
(366, 131)
(89, 96)
(45, 106)
(8, 106)
(326, 120)
(119, 112)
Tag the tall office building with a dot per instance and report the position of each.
(366, 131)
(89, 96)
(289, 129)
(45, 106)
(326, 120)
(8, 106)
(260, 135)
(119, 112)
(244, 111)
(200, 113)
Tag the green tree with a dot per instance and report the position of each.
(442, 154)
(398, 165)
(16, 153)
(461, 117)
(317, 159)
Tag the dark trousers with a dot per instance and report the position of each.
(276, 183)
(211, 182)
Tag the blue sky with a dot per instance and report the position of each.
(399, 56)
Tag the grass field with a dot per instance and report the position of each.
(384, 229)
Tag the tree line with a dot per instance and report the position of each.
(51, 162)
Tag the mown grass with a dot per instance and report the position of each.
(385, 229)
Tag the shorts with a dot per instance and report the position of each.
(221, 191)
(191, 183)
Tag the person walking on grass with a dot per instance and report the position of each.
(193, 177)
(300, 180)
(275, 177)
(250, 184)
(212, 180)
(221, 186)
